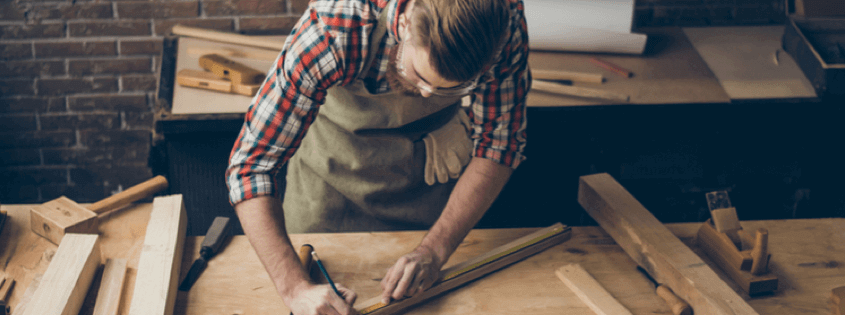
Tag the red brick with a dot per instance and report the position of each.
(139, 83)
(76, 85)
(24, 105)
(65, 121)
(70, 49)
(15, 51)
(34, 175)
(73, 11)
(11, 12)
(16, 87)
(268, 25)
(138, 120)
(96, 155)
(162, 27)
(46, 30)
(245, 7)
(108, 103)
(114, 138)
(18, 157)
(297, 7)
(21, 122)
(141, 47)
(149, 10)
(34, 139)
(111, 28)
(110, 66)
(31, 68)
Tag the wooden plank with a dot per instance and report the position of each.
(560, 89)
(158, 267)
(66, 281)
(651, 245)
(111, 287)
(590, 291)
(224, 37)
(474, 268)
(574, 76)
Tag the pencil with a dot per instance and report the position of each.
(325, 273)
(612, 67)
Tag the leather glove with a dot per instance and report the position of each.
(448, 149)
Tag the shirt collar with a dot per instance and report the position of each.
(393, 10)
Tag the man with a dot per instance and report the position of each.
(368, 94)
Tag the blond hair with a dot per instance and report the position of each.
(462, 35)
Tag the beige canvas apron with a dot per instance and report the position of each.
(360, 166)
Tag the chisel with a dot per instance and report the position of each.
(678, 306)
(217, 234)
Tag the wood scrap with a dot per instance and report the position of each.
(68, 277)
(225, 37)
(651, 245)
(231, 70)
(474, 268)
(111, 287)
(560, 89)
(158, 267)
(561, 75)
(590, 291)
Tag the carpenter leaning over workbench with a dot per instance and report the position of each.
(378, 86)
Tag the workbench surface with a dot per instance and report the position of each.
(808, 256)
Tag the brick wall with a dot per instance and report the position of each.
(78, 80)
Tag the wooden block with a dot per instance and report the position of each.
(226, 68)
(590, 291)
(725, 220)
(656, 249)
(65, 282)
(837, 297)
(55, 218)
(203, 80)
(111, 287)
(723, 247)
(257, 54)
(158, 267)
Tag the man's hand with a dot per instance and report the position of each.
(321, 299)
(411, 274)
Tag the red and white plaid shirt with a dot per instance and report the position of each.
(328, 47)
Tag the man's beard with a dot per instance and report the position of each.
(398, 83)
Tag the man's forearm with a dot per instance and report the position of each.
(474, 193)
(264, 226)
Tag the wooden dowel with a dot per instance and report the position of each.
(760, 253)
(134, 193)
(225, 37)
(560, 89)
(556, 75)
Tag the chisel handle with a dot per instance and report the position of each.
(134, 193)
(305, 257)
(678, 306)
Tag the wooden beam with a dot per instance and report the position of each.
(590, 291)
(158, 267)
(111, 287)
(474, 268)
(656, 249)
(68, 277)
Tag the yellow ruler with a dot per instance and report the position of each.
(477, 267)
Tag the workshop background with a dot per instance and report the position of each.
(78, 95)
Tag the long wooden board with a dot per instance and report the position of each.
(158, 266)
(590, 291)
(475, 268)
(67, 279)
(111, 287)
(656, 249)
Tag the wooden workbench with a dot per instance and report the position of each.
(808, 257)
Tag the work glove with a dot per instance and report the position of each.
(448, 149)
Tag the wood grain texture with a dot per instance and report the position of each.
(111, 287)
(60, 216)
(656, 249)
(582, 92)
(574, 76)
(66, 281)
(159, 264)
(725, 254)
(590, 291)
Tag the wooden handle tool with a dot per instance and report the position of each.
(305, 257)
(134, 193)
(225, 68)
(678, 306)
(760, 253)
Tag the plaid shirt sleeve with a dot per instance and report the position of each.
(498, 104)
(324, 48)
